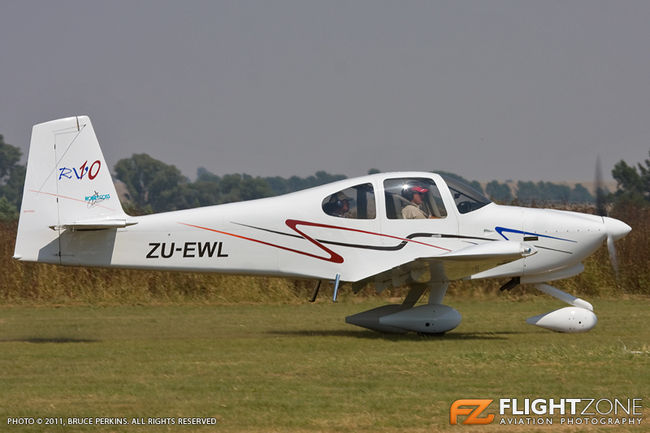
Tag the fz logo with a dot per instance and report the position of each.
(71, 173)
(477, 406)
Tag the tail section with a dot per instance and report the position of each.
(67, 187)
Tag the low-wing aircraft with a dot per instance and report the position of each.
(415, 229)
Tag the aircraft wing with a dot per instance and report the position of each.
(453, 265)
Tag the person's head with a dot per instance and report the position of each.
(414, 193)
(342, 203)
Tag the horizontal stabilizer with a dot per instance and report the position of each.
(96, 224)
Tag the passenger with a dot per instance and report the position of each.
(414, 209)
(338, 206)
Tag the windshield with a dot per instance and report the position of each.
(467, 198)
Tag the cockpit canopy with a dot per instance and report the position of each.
(405, 198)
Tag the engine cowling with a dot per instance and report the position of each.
(567, 319)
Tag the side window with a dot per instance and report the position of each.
(357, 202)
(413, 198)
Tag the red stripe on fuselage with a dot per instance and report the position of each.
(335, 258)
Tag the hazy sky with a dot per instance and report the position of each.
(528, 90)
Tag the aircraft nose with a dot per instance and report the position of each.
(615, 228)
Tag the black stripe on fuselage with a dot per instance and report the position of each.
(374, 247)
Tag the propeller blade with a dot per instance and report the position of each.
(615, 230)
(601, 209)
(613, 258)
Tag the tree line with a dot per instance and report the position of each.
(154, 186)
(12, 178)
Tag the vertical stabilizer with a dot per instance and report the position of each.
(67, 185)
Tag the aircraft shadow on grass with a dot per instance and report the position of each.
(397, 337)
(43, 340)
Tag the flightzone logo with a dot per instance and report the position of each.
(542, 411)
(90, 171)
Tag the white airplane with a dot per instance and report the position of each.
(391, 229)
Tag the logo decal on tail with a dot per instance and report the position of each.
(73, 173)
(96, 198)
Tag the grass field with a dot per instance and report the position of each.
(299, 368)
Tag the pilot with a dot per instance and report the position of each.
(414, 209)
(338, 206)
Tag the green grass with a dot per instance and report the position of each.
(296, 368)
